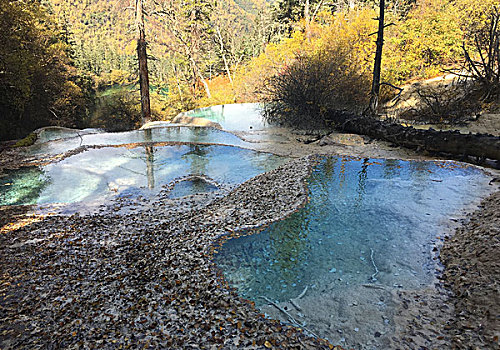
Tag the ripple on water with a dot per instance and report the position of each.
(368, 222)
(108, 171)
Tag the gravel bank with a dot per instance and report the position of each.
(142, 280)
(472, 272)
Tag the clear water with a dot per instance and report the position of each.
(108, 171)
(165, 134)
(55, 133)
(22, 186)
(233, 117)
(361, 214)
(188, 187)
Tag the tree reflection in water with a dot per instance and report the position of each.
(355, 207)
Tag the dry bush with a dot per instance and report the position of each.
(313, 87)
(483, 59)
(449, 104)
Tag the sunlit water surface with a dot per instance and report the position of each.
(367, 222)
(98, 173)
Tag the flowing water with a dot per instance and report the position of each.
(368, 222)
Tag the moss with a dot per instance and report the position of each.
(27, 141)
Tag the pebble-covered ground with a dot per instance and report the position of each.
(137, 274)
(141, 280)
(472, 260)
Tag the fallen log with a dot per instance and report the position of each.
(454, 143)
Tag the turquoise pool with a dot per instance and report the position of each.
(369, 223)
(108, 171)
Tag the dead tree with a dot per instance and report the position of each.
(375, 91)
(143, 62)
(484, 65)
(448, 143)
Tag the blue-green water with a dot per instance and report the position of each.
(164, 134)
(98, 173)
(361, 214)
(233, 117)
(188, 187)
(22, 186)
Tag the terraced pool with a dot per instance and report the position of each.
(174, 133)
(109, 171)
(368, 226)
(367, 230)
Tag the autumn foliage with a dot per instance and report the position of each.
(67, 63)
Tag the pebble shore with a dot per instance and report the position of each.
(142, 279)
(137, 273)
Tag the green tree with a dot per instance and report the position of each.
(38, 84)
(189, 23)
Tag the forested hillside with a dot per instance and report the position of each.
(74, 63)
(38, 83)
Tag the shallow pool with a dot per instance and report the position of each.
(174, 133)
(98, 173)
(233, 117)
(368, 222)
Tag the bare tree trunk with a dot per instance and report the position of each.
(318, 7)
(177, 81)
(143, 63)
(307, 18)
(378, 61)
(202, 78)
(226, 65)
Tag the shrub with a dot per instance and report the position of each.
(483, 59)
(27, 141)
(118, 111)
(314, 86)
(444, 104)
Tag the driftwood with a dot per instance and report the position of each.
(454, 143)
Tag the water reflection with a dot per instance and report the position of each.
(100, 173)
(362, 176)
(391, 167)
(356, 207)
(198, 159)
